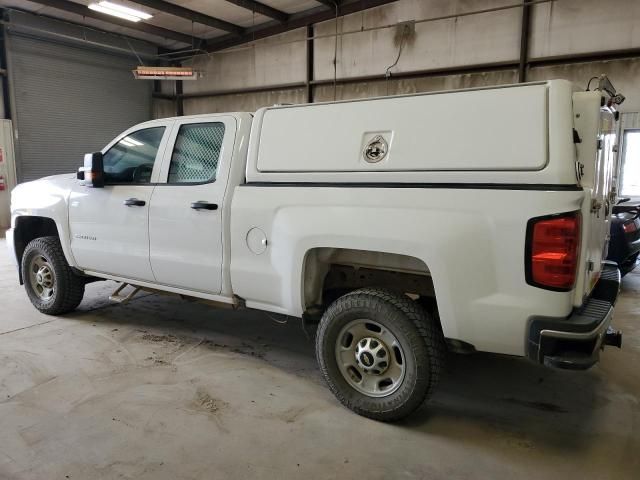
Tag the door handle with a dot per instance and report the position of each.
(202, 205)
(134, 202)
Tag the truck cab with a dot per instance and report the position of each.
(159, 216)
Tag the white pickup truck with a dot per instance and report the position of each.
(469, 220)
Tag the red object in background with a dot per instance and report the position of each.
(630, 227)
(3, 185)
(1, 156)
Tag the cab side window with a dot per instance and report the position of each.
(196, 153)
(131, 160)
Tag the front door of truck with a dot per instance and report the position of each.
(109, 226)
(187, 206)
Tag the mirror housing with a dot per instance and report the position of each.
(92, 173)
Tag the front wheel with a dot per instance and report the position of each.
(380, 353)
(51, 285)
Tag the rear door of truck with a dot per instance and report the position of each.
(185, 215)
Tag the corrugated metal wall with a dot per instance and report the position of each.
(68, 101)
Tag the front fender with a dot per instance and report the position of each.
(48, 198)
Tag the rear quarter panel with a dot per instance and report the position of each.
(472, 241)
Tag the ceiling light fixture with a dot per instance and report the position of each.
(166, 73)
(120, 11)
(127, 10)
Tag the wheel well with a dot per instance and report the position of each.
(29, 228)
(329, 273)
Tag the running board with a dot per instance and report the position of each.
(118, 297)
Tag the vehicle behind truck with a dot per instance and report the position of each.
(407, 227)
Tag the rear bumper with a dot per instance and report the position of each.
(575, 342)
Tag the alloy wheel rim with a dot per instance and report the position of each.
(370, 358)
(42, 278)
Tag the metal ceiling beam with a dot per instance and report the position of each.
(262, 9)
(82, 10)
(298, 20)
(83, 26)
(178, 11)
(42, 33)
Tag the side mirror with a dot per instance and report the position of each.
(92, 173)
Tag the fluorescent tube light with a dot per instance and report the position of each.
(127, 10)
(113, 13)
(120, 11)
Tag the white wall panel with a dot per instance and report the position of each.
(624, 75)
(489, 37)
(381, 88)
(564, 27)
(268, 62)
(246, 102)
(579, 26)
(163, 108)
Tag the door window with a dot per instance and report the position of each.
(630, 181)
(196, 153)
(131, 159)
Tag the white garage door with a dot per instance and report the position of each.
(68, 101)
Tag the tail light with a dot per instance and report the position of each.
(630, 227)
(552, 251)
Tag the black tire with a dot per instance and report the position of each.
(416, 332)
(629, 265)
(68, 288)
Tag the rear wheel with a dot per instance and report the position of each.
(629, 265)
(51, 284)
(380, 353)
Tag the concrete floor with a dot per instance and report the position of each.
(164, 389)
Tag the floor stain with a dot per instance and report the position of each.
(150, 337)
(206, 402)
(542, 406)
(291, 415)
(243, 349)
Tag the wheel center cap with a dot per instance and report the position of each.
(372, 355)
(366, 358)
(43, 277)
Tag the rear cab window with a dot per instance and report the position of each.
(196, 153)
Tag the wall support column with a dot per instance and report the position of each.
(524, 40)
(179, 99)
(310, 60)
(6, 98)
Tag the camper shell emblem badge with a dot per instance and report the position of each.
(376, 149)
